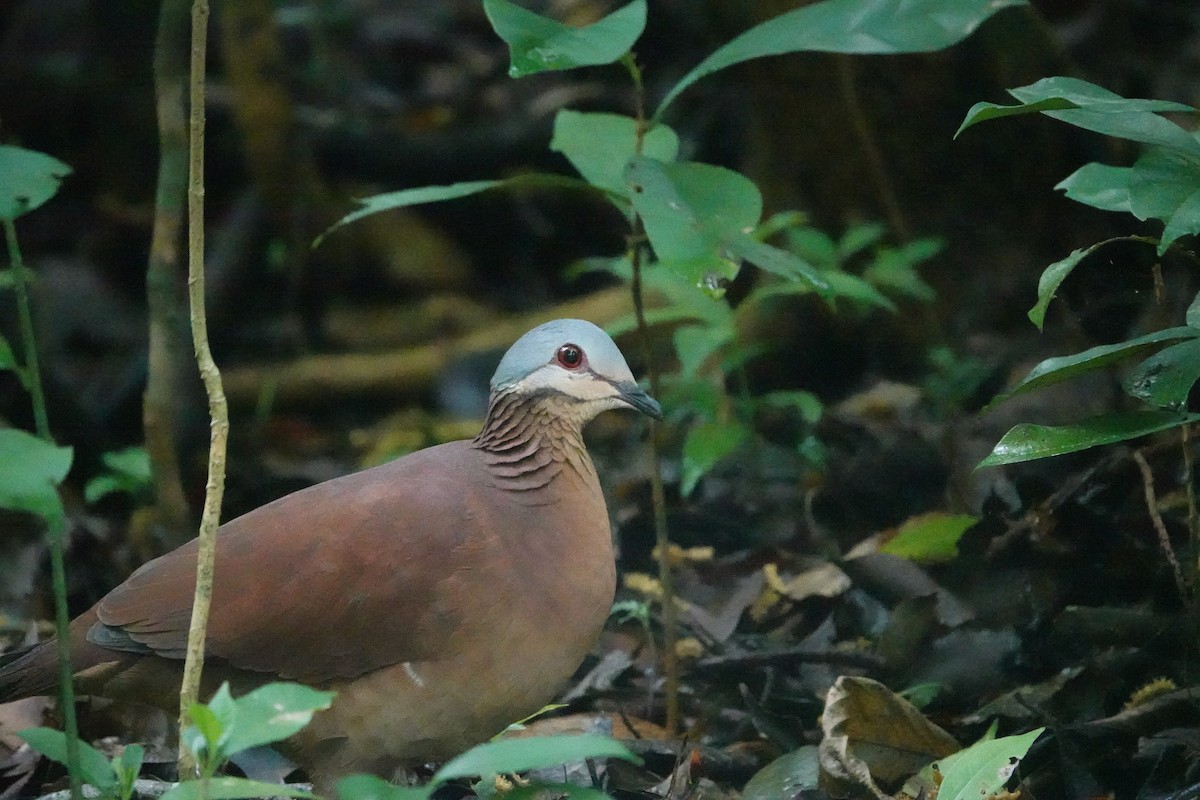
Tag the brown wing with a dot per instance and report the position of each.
(330, 582)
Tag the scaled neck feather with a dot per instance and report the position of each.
(530, 441)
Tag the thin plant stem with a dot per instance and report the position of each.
(218, 410)
(670, 611)
(56, 532)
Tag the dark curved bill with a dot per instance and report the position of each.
(633, 394)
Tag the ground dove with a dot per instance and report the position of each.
(442, 595)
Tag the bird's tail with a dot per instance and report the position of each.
(29, 672)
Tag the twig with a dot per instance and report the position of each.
(1163, 539)
(56, 530)
(787, 657)
(670, 613)
(193, 665)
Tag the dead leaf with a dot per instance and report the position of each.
(872, 734)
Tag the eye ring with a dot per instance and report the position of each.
(570, 356)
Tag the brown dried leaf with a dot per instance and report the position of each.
(871, 734)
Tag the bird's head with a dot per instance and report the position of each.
(577, 363)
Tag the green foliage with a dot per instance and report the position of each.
(1163, 184)
(30, 471)
(538, 44)
(702, 222)
(498, 758)
(930, 538)
(27, 180)
(112, 779)
(126, 471)
(226, 726)
(984, 768)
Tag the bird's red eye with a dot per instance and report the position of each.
(570, 356)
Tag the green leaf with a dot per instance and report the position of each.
(1056, 273)
(436, 194)
(705, 445)
(929, 538)
(815, 247)
(372, 787)
(691, 212)
(93, 765)
(231, 789)
(1061, 368)
(1099, 186)
(128, 471)
(1026, 442)
(534, 752)
(806, 403)
(127, 768)
(779, 262)
(787, 776)
(1193, 313)
(600, 145)
(1093, 108)
(695, 343)
(1164, 379)
(983, 768)
(271, 713)
(1164, 184)
(203, 736)
(538, 44)
(895, 269)
(850, 26)
(27, 179)
(30, 471)
(859, 238)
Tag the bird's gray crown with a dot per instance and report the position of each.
(538, 347)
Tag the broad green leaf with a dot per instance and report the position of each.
(94, 766)
(841, 284)
(850, 26)
(30, 471)
(27, 179)
(231, 789)
(435, 194)
(1164, 185)
(779, 262)
(127, 768)
(534, 752)
(695, 343)
(984, 768)
(372, 787)
(1026, 442)
(691, 212)
(705, 445)
(1056, 273)
(1094, 108)
(1099, 186)
(1164, 379)
(271, 713)
(600, 145)
(929, 538)
(1061, 368)
(786, 776)
(539, 44)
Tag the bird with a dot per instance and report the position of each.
(441, 596)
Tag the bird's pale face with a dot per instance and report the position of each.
(577, 361)
(590, 389)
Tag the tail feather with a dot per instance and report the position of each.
(30, 672)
